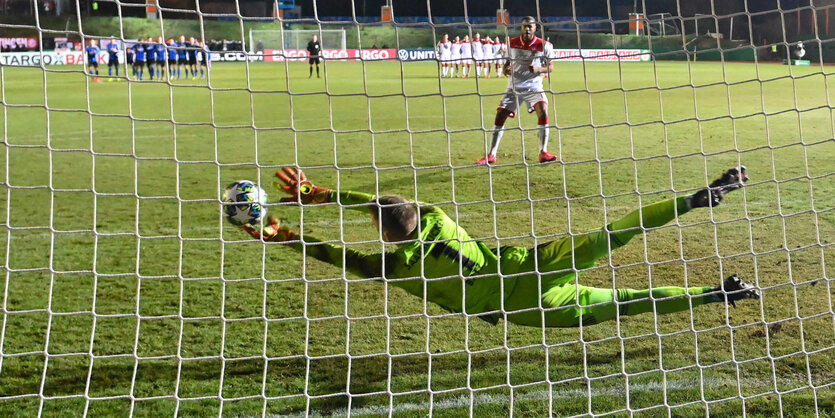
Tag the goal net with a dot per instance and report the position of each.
(295, 39)
(127, 292)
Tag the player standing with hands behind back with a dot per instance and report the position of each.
(93, 59)
(314, 50)
(525, 68)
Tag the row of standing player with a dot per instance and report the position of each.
(181, 57)
(457, 56)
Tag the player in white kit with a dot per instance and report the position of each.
(487, 47)
(478, 53)
(525, 69)
(444, 51)
(466, 57)
(455, 57)
(498, 56)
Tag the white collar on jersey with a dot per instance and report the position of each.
(532, 40)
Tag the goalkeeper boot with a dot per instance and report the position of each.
(547, 157)
(733, 179)
(487, 160)
(736, 289)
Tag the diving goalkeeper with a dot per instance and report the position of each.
(525, 285)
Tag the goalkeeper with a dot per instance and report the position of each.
(467, 276)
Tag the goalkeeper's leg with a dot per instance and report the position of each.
(570, 305)
(581, 252)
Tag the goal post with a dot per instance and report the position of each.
(126, 291)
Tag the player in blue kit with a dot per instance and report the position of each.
(172, 58)
(159, 51)
(139, 61)
(130, 58)
(206, 59)
(192, 57)
(182, 57)
(112, 58)
(150, 57)
(92, 52)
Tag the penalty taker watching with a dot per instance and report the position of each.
(526, 286)
(525, 68)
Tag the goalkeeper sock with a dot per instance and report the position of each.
(498, 131)
(642, 302)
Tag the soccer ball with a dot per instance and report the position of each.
(245, 203)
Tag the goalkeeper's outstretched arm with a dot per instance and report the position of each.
(359, 263)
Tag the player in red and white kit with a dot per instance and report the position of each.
(478, 53)
(466, 57)
(525, 69)
(499, 55)
(444, 52)
(487, 47)
(455, 57)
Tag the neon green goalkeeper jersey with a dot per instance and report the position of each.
(443, 265)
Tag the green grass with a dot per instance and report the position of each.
(125, 291)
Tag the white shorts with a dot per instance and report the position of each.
(511, 99)
(445, 59)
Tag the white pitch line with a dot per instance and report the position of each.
(480, 399)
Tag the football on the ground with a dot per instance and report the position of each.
(244, 203)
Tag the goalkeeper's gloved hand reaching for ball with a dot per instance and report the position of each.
(273, 231)
(296, 184)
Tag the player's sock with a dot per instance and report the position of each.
(543, 131)
(498, 131)
(310, 74)
(669, 303)
(317, 71)
(151, 72)
(650, 216)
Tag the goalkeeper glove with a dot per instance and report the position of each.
(300, 188)
(273, 231)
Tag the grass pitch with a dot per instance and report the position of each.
(126, 293)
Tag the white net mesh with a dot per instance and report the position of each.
(296, 39)
(126, 292)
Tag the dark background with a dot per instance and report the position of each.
(758, 22)
(619, 8)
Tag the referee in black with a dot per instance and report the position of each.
(314, 50)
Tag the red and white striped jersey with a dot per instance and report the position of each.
(523, 55)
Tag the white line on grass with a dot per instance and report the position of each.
(479, 399)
